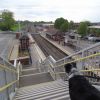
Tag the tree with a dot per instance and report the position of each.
(97, 32)
(59, 22)
(82, 29)
(71, 25)
(64, 27)
(88, 23)
(7, 20)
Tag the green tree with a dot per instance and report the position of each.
(59, 22)
(71, 25)
(7, 20)
(64, 27)
(97, 32)
(82, 29)
(88, 23)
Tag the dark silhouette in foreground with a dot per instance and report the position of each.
(79, 87)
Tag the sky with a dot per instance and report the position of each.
(49, 10)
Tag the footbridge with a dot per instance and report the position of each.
(46, 79)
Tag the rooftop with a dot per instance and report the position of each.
(97, 27)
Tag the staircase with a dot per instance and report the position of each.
(36, 85)
(54, 90)
(32, 76)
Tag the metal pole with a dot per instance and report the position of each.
(19, 26)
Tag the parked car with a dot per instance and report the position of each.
(92, 37)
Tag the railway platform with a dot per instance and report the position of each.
(61, 46)
(67, 48)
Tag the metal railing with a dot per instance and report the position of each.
(87, 62)
(9, 77)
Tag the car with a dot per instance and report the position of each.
(92, 37)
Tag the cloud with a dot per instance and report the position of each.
(76, 10)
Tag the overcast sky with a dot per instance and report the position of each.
(49, 10)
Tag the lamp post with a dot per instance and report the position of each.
(19, 26)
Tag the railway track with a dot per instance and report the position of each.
(48, 48)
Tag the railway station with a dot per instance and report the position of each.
(49, 50)
(33, 68)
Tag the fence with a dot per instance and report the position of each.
(8, 79)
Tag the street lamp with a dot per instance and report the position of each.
(19, 26)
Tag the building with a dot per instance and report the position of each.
(55, 34)
(24, 42)
(94, 30)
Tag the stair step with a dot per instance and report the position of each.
(46, 88)
(55, 90)
(31, 71)
(35, 79)
(42, 89)
(64, 97)
(51, 83)
(47, 85)
(27, 69)
(54, 96)
(41, 92)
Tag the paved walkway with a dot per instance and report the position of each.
(36, 54)
(6, 41)
(14, 50)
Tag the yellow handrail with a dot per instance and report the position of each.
(8, 85)
(91, 70)
(80, 59)
(10, 69)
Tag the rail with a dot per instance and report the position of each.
(87, 62)
(9, 77)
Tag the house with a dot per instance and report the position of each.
(95, 29)
(71, 39)
(55, 34)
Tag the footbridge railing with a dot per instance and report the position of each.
(9, 77)
(87, 62)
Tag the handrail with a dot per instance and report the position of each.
(94, 45)
(7, 61)
(91, 70)
(13, 82)
(80, 59)
(10, 69)
(8, 85)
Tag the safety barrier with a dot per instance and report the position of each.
(87, 62)
(9, 77)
